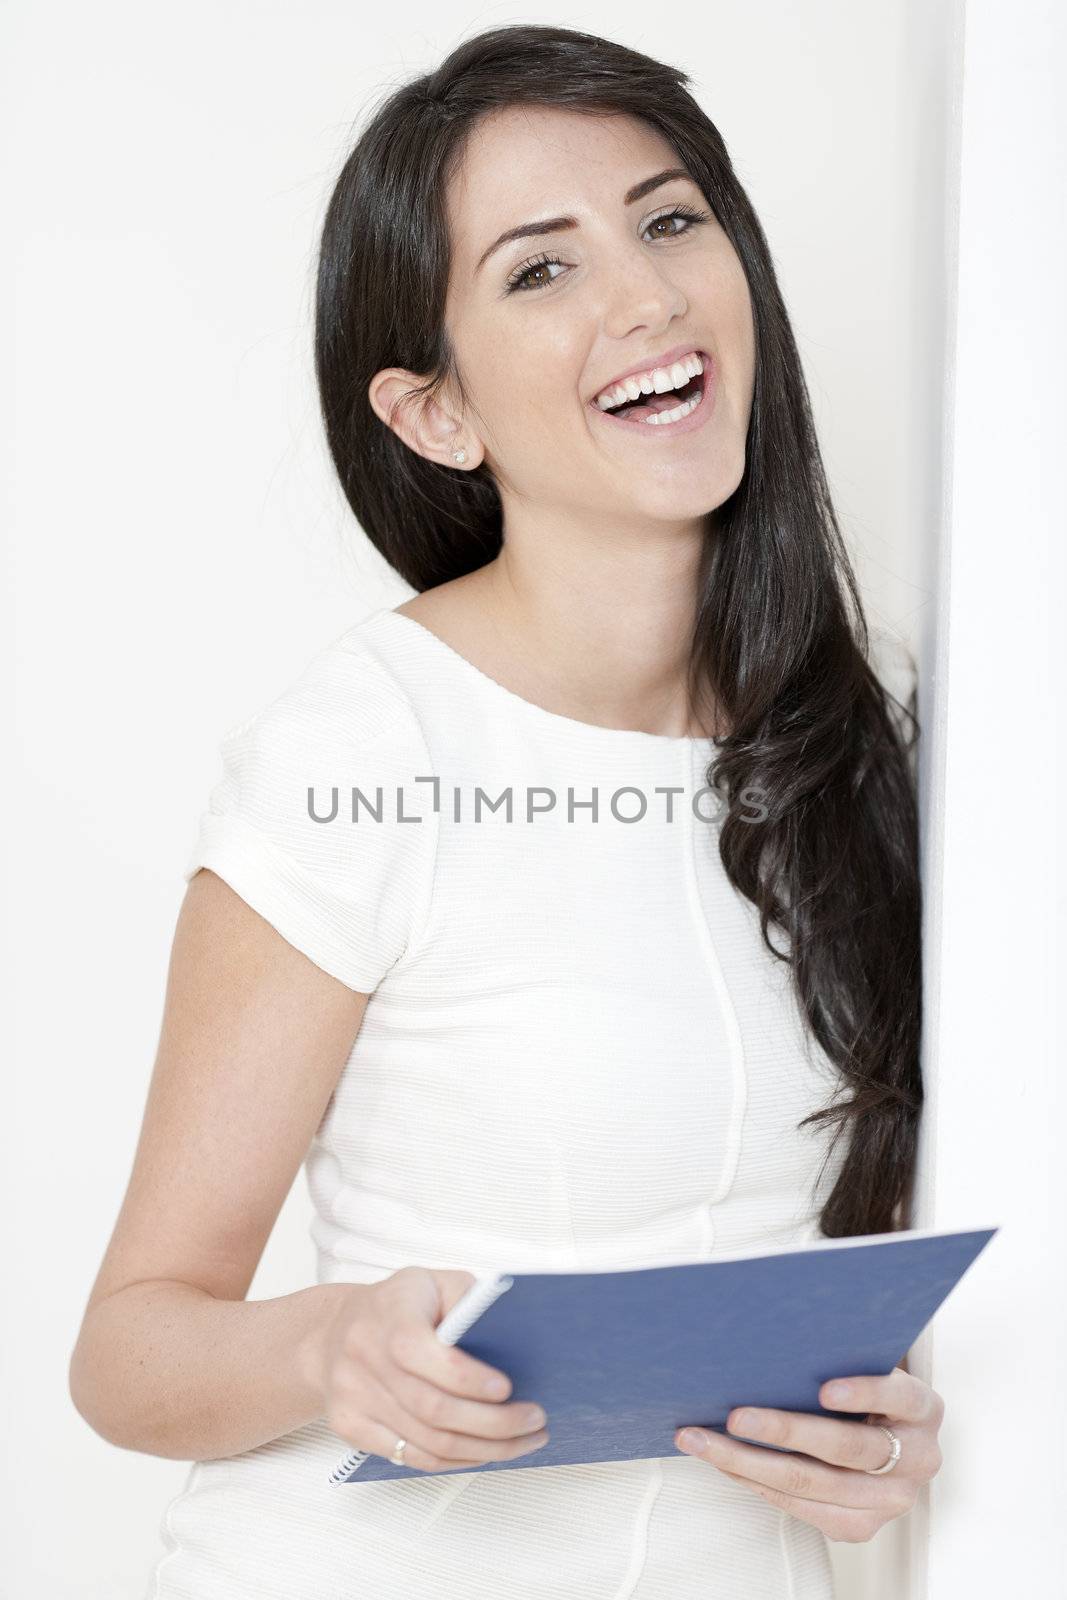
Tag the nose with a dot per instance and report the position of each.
(639, 292)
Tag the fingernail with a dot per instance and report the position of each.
(837, 1391)
(692, 1439)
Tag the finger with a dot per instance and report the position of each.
(370, 1409)
(482, 1419)
(379, 1376)
(432, 1449)
(898, 1394)
(802, 1476)
(837, 1522)
(379, 1439)
(844, 1444)
(416, 1349)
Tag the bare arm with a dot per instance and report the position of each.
(167, 1369)
(171, 1360)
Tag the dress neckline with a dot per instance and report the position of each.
(636, 737)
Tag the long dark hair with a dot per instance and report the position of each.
(780, 633)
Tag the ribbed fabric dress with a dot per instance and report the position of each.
(578, 1055)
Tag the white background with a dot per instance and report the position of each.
(996, 937)
(178, 549)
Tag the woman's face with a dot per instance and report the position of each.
(536, 341)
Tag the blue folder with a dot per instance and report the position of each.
(621, 1360)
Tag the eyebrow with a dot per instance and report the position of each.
(526, 230)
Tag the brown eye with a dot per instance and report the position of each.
(518, 280)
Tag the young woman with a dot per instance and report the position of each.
(602, 1023)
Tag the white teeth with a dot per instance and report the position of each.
(677, 414)
(658, 380)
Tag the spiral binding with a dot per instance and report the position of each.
(463, 1315)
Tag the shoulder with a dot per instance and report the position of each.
(345, 697)
(344, 722)
(346, 884)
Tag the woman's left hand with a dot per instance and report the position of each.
(826, 1485)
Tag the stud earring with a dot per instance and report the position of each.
(460, 456)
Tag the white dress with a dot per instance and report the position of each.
(578, 1055)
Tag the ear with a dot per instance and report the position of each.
(425, 425)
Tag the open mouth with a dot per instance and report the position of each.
(663, 410)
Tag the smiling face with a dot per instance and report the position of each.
(543, 323)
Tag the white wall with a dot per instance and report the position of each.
(997, 917)
(178, 548)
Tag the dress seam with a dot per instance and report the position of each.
(446, 1503)
(729, 1015)
(787, 1558)
(168, 1529)
(639, 1547)
(421, 924)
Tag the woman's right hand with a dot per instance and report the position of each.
(385, 1375)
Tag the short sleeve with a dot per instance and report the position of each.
(318, 822)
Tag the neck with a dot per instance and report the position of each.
(598, 628)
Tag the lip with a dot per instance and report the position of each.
(695, 419)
